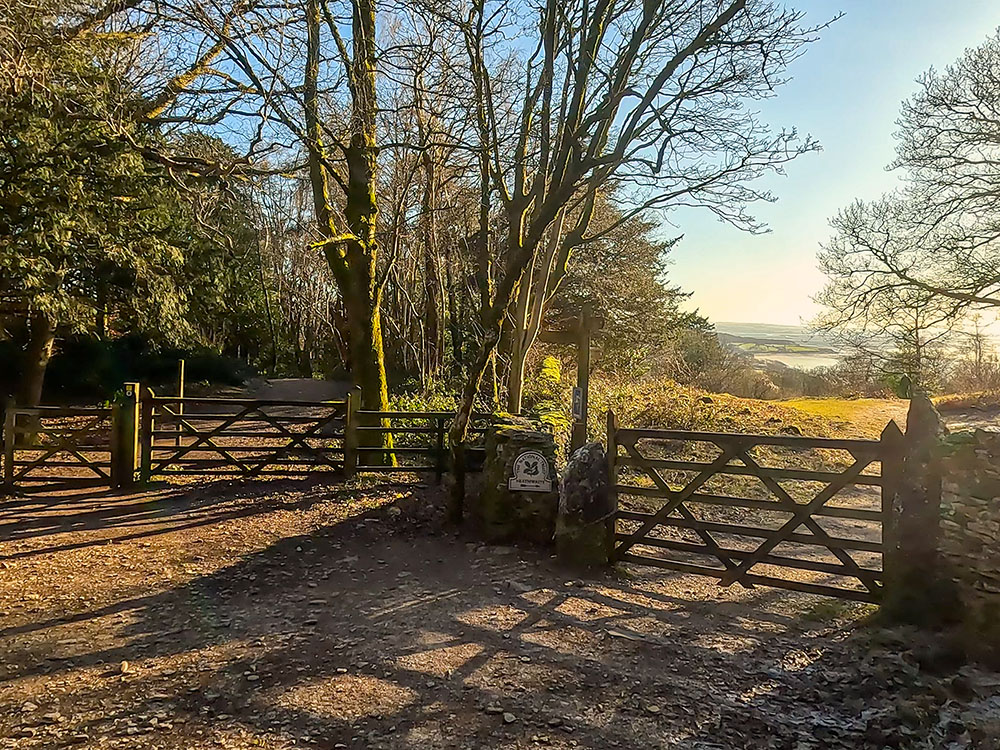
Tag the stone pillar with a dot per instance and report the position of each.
(520, 496)
(585, 527)
(917, 589)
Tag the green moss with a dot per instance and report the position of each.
(956, 441)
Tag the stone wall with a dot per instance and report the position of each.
(970, 535)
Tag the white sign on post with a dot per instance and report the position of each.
(531, 473)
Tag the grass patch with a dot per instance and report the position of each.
(863, 417)
(664, 404)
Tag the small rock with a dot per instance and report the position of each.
(509, 718)
(493, 709)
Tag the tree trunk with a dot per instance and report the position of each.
(36, 359)
(536, 287)
(493, 317)
(518, 348)
(454, 316)
(431, 354)
(305, 354)
(460, 426)
(432, 318)
(341, 334)
(367, 363)
(352, 255)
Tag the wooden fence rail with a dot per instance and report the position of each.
(669, 516)
(420, 447)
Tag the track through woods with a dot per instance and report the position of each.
(296, 614)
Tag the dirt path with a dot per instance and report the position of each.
(977, 418)
(297, 389)
(299, 615)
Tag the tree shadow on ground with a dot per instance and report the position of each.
(372, 632)
(160, 509)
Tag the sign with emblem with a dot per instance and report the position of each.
(531, 473)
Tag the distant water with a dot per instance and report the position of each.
(795, 334)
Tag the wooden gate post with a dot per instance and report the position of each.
(9, 428)
(439, 454)
(125, 438)
(581, 397)
(180, 401)
(612, 456)
(891, 449)
(578, 436)
(579, 336)
(351, 432)
(145, 432)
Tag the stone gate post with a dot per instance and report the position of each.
(917, 590)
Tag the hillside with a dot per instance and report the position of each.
(669, 405)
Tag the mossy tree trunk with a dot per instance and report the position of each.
(352, 254)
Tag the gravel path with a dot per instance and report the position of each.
(299, 615)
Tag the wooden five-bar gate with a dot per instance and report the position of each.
(237, 436)
(146, 437)
(757, 509)
(801, 513)
(58, 447)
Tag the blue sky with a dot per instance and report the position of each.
(846, 92)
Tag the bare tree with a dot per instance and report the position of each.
(650, 97)
(900, 331)
(939, 235)
(977, 367)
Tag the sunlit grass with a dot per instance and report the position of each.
(867, 416)
(666, 404)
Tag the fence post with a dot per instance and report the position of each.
(125, 438)
(891, 449)
(439, 454)
(115, 445)
(180, 402)
(146, 435)
(612, 456)
(578, 436)
(351, 432)
(9, 428)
